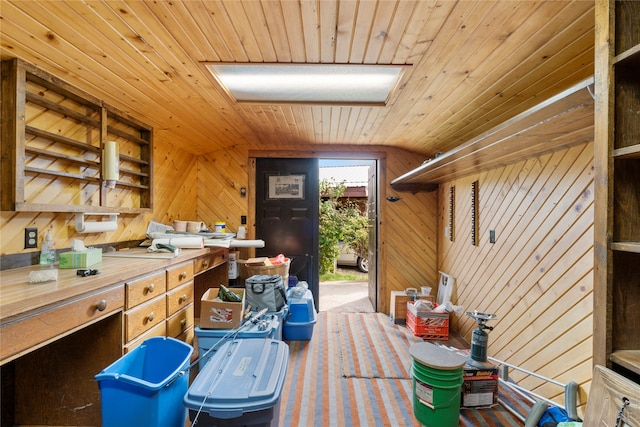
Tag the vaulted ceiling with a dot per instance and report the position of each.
(474, 64)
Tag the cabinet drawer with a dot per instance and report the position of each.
(144, 289)
(179, 274)
(180, 322)
(145, 317)
(179, 297)
(159, 330)
(188, 336)
(36, 330)
(202, 263)
(212, 260)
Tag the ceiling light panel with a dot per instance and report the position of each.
(308, 83)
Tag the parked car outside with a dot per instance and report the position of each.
(348, 258)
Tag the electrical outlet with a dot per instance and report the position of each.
(30, 238)
(492, 236)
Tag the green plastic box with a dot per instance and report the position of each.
(82, 259)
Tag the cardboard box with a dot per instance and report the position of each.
(234, 270)
(479, 387)
(427, 324)
(217, 314)
(82, 259)
(259, 262)
(398, 311)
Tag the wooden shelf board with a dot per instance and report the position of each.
(61, 139)
(626, 246)
(52, 155)
(61, 109)
(629, 359)
(561, 121)
(628, 55)
(60, 174)
(41, 207)
(632, 152)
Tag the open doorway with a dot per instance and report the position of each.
(351, 285)
(375, 192)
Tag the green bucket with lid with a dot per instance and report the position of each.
(436, 384)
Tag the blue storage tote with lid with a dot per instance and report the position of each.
(282, 316)
(145, 387)
(241, 384)
(302, 316)
(268, 326)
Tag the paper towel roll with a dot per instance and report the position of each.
(181, 242)
(98, 226)
(83, 226)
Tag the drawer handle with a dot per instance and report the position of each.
(205, 264)
(150, 317)
(182, 299)
(183, 275)
(183, 323)
(150, 288)
(102, 305)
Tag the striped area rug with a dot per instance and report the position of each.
(355, 372)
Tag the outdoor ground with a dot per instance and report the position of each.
(346, 295)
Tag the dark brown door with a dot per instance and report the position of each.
(287, 214)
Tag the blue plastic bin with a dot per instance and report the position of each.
(282, 317)
(145, 387)
(302, 317)
(207, 338)
(241, 385)
(301, 309)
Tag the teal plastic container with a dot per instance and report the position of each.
(437, 384)
(146, 387)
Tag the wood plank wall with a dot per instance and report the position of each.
(174, 198)
(408, 244)
(538, 275)
(207, 188)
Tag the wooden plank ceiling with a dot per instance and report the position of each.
(474, 64)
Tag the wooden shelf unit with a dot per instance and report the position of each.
(52, 139)
(561, 121)
(617, 205)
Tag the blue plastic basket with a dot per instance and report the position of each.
(146, 386)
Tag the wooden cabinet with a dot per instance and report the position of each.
(52, 140)
(30, 333)
(179, 300)
(145, 305)
(65, 334)
(617, 203)
(159, 304)
(180, 274)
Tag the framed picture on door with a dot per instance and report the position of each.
(286, 187)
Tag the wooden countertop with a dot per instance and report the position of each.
(18, 297)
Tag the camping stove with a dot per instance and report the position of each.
(479, 340)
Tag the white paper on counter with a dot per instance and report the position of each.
(233, 243)
(181, 242)
(217, 243)
(246, 243)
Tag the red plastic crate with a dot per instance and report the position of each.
(426, 324)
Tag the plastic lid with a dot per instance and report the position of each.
(244, 375)
(436, 357)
